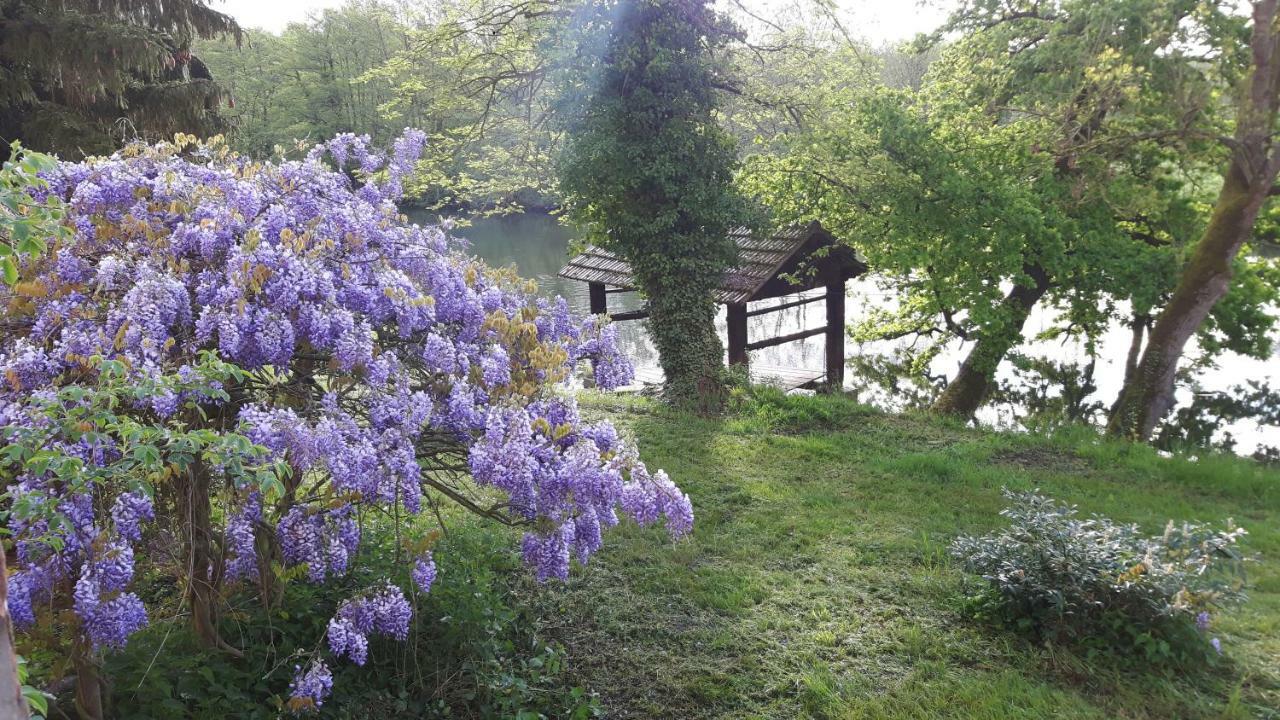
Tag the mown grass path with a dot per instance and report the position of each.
(817, 582)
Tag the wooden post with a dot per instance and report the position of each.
(737, 333)
(599, 302)
(835, 335)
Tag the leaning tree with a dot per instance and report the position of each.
(1052, 159)
(250, 359)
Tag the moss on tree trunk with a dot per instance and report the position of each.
(1249, 180)
(971, 385)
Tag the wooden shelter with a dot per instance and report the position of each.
(790, 261)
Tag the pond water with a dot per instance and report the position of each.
(537, 245)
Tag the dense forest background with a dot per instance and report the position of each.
(492, 82)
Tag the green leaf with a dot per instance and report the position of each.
(38, 701)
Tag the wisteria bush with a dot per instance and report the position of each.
(1065, 577)
(243, 362)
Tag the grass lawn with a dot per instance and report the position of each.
(817, 581)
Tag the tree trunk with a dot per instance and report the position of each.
(1248, 181)
(202, 582)
(267, 549)
(88, 681)
(689, 350)
(13, 706)
(966, 392)
(1138, 328)
(1149, 393)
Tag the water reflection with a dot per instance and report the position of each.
(537, 245)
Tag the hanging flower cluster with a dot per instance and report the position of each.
(377, 361)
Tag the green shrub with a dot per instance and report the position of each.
(470, 653)
(1092, 580)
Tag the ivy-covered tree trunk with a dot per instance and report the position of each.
(1149, 394)
(971, 385)
(648, 172)
(689, 349)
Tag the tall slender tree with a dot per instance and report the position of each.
(648, 172)
(79, 76)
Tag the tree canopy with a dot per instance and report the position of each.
(1054, 154)
(475, 75)
(84, 76)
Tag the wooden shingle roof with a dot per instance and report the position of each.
(760, 260)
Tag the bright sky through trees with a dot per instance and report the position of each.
(879, 21)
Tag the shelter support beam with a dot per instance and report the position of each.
(835, 335)
(737, 333)
(640, 314)
(784, 339)
(785, 305)
(598, 298)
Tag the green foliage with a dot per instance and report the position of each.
(483, 77)
(1028, 156)
(469, 653)
(147, 453)
(768, 407)
(1243, 319)
(1044, 395)
(303, 85)
(480, 74)
(1200, 424)
(37, 699)
(1094, 581)
(26, 225)
(82, 76)
(648, 172)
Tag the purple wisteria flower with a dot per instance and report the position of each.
(386, 612)
(129, 512)
(241, 539)
(1202, 621)
(424, 572)
(309, 688)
